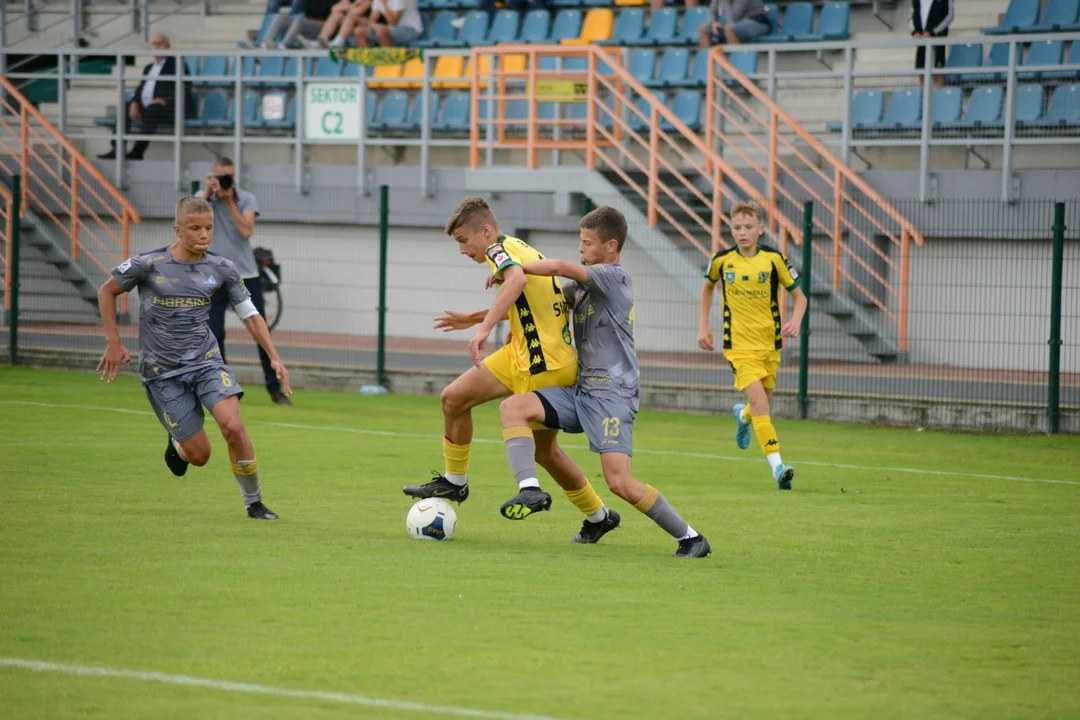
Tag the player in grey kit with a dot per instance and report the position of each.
(604, 402)
(180, 364)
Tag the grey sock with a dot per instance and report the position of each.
(666, 517)
(522, 454)
(248, 480)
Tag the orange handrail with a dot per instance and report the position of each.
(838, 214)
(604, 136)
(5, 248)
(75, 197)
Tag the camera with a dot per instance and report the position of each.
(225, 182)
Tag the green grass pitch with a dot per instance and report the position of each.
(892, 582)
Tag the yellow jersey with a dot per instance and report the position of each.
(539, 319)
(750, 287)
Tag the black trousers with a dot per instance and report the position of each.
(939, 54)
(219, 303)
(153, 117)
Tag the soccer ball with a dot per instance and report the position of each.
(431, 519)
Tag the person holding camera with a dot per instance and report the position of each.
(235, 211)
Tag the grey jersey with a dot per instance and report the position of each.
(603, 317)
(174, 305)
(227, 240)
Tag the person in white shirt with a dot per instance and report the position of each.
(154, 102)
(393, 23)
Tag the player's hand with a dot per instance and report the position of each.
(133, 112)
(477, 345)
(283, 375)
(115, 356)
(492, 281)
(790, 329)
(213, 187)
(453, 321)
(705, 340)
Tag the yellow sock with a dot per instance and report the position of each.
(747, 416)
(586, 500)
(766, 434)
(457, 458)
(646, 503)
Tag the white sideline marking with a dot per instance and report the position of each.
(236, 687)
(640, 451)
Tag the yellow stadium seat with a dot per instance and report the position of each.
(382, 74)
(514, 64)
(485, 70)
(448, 66)
(597, 26)
(624, 3)
(411, 76)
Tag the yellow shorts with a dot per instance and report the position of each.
(501, 364)
(749, 366)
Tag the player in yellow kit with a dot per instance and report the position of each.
(539, 355)
(750, 276)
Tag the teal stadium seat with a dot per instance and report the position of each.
(1064, 110)
(1060, 16)
(1020, 14)
(1041, 54)
(798, 21)
(629, 28)
(674, 65)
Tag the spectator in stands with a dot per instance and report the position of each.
(344, 18)
(309, 26)
(235, 211)
(154, 102)
(927, 19)
(661, 4)
(746, 20)
(393, 23)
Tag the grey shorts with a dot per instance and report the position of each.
(608, 421)
(178, 400)
(400, 36)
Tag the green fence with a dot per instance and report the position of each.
(993, 319)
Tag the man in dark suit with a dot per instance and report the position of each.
(926, 19)
(154, 103)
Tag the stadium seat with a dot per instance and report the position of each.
(798, 21)
(392, 112)
(1042, 53)
(215, 65)
(904, 111)
(773, 11)
(662, 28)
(672, 71)
(834, 23)
(605, 113)
(440, 30)
(287, 121)
(1021, 14)
(999, 58)
(565, 26)
(323, 67)
(447, 66)
(371, 106)
(963, 56)
(412, 76)
(1064, 110)
(692, 20)
(639, 123)
(1060, 16)
(630, 3)
(984, 108)
(1072, 59)
(384, 74)
(629, 28)
(535, 27)
(514, 64)
(687, 107)
(1030, 100)
(473, 32)
(745, 61)
(251, 111)
(454, 114)
(642, 63)
(867, 109)
(467, 72)
(277, 72)
(504, 28)
(699, 70)
(948, 107)
(597, 26)
(416, 113)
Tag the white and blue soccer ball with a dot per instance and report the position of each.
(431, 519)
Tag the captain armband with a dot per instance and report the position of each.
(245, 309)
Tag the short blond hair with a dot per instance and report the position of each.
(746, 207)
(472, 212)
(192, 205)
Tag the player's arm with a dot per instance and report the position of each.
(705, 339)
(557, 268)
(115, 353)
(513, 283)
(453, 320)
(794, 323)
(256, 325)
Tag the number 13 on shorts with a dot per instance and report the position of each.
(611, 426)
